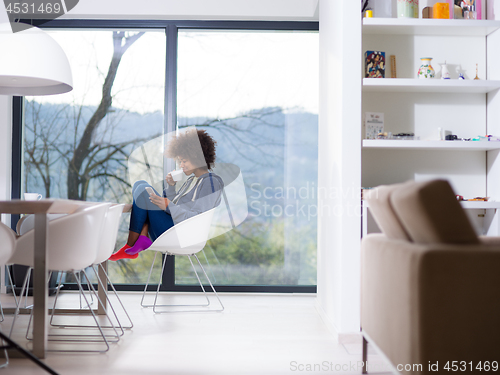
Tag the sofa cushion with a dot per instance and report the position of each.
(430, 213)
(383, 213)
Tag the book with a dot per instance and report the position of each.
(374, 64)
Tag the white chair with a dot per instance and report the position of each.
(73, 243)
(8, 243)
(27, 223)
(106, 247)
(184, 239)
(107, 241)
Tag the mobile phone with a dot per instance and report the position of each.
(150, 190)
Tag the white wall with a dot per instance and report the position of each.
(340, 164)
(281, 10)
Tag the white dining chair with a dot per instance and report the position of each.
(8, 243)
(72, 247)
(184, 239)
(107, 241)
(105, 250)
(27, 223)
(106, 247)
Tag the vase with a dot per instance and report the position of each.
(407, 8)
(426, 71)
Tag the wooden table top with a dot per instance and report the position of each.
(52, 206)
(49, 206)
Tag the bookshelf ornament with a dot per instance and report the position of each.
(426, 71)
(407, 8)
(445, 73)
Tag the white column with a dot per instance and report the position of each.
(5, 162)
(5, 149)
(339, 181)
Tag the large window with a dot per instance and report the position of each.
(76, 145)
(255, 92)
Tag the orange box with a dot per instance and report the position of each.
(441, 10)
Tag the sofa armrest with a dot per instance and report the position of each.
(388, 302)
(490, 241)
(425, 303)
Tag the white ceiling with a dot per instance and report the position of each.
(265, 10)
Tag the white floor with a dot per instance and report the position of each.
(256, 334)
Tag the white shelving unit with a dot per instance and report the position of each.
(467, 108)
(430, 145)
(480, 205)
(433, 27)
(429, 86)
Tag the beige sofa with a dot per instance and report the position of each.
(430, 288)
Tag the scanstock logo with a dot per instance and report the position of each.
(43, 10)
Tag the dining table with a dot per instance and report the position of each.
(40, 208)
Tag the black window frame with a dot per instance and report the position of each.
(171, 28)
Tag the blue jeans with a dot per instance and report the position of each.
(143, 211)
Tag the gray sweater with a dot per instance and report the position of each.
(203, 197)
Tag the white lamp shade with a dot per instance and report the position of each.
(32, 63)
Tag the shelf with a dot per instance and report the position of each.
(480, 205)
(429, 85)
(415, 26)
(431, 145)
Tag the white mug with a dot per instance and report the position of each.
(177, 175)
(32, 196)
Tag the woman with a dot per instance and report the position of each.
(201, 192)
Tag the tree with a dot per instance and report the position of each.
(79, 176)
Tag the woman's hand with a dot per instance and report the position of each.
(159, 201)
(170, 180)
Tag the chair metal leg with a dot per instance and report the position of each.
(156, 305)
(147, 282)
(96, 322)
(2, 317)
(115, 337)
(82, 337)
(159, 281)
(80, 288)
(175, 305)
(27, 290)
(12, 285)
(365, 355)
(101, 303)
(117, 297)
(16, 313)
(209, 266)
(112, 326)
(55, 302)
(213, 289)
(80, 296)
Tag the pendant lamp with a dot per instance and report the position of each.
(32, 63)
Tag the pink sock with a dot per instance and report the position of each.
(141, 244)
